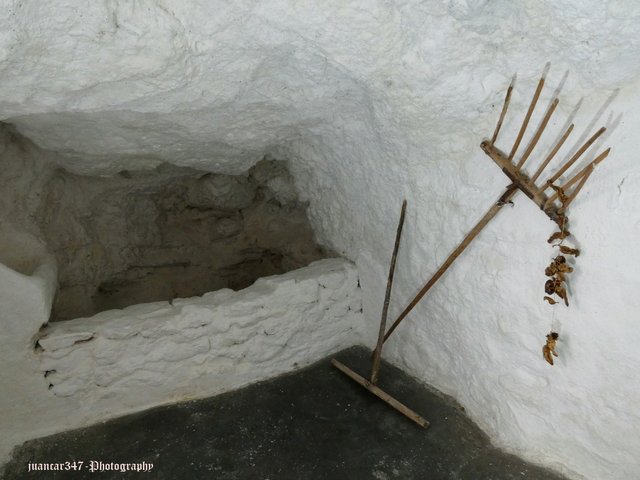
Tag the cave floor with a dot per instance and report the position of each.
(311, 424)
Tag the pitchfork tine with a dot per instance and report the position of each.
(573, 159)
(575, 192)
(527, 117)
(503, 113)
(581, 173)
(552, 153)
(538, 133)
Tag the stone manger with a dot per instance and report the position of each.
(114, 351)
(120, 361)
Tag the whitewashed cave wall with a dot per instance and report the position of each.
(373, 101)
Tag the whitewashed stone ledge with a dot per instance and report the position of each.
(158, 352)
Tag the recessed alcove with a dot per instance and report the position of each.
(170, 232)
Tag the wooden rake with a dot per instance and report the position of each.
(519, 180)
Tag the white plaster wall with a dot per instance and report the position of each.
(120, 361)
(478, 335)
(374, 101)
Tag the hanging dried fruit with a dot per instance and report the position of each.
(562, 293)
(561, 219)
(550, 347)
(569, 251)
(561, 195)
(561, 235)
(554, 204)
(557, 266)
(553, 286)
(550, 287)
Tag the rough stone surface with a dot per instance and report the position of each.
(173, 232)
(77, 372)
(313, 424)
(371, 102)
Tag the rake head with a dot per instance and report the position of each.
(552, 197)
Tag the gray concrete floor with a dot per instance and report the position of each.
(311, 424)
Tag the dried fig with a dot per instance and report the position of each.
(569, 251)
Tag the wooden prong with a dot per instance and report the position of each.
(377, 354)
(581, 173)
(575, 157)
(381, 394)
(492, 212)
(503, 113)
(538, 133)
(527, 117)
(552, 153)
(575, 192)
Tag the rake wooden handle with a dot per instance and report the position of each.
(505, 198)
(375, 368)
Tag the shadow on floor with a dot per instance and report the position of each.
(311, 424)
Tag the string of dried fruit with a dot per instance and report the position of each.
(559, 268)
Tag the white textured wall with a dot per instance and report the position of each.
(373, 101)
(119, 361)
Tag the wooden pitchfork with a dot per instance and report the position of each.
(519, 181)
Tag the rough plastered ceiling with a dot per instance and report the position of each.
(215, 84)
(371, 101)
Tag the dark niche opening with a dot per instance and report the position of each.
(143, 236)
